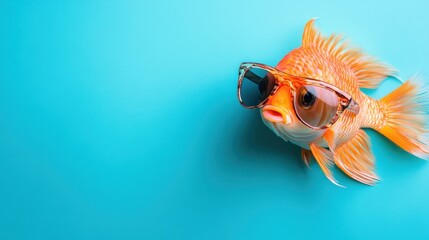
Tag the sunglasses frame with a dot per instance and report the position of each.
(346, 102)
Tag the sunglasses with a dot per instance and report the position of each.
(317, 104)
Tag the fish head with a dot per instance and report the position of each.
(280, 116)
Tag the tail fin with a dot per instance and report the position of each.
(406, 112)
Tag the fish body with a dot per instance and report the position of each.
(400, 116)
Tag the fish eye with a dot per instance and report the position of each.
(307, 97)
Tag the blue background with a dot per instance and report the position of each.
(119, 120)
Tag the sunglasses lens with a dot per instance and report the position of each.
(316, 106)
(256, 86)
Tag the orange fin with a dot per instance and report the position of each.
(325, 159)
(306, 156)
(329, 137)
(406, 112)
(367, 70)
(356, 160)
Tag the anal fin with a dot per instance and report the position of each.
(356, 159)
(325, 159)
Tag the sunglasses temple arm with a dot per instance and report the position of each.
(253, 77)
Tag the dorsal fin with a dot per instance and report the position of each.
(368, 71)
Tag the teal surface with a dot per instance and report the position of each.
(119, 120)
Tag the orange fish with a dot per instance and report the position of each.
(312, 98)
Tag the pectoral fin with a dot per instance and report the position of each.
(329, 137)
(356, 160)
(306, 156)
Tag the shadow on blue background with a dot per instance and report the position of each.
(119, 120)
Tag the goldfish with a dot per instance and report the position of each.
(313, 99)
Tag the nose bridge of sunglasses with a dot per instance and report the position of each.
(293, 82)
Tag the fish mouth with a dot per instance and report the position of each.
(275, 114)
